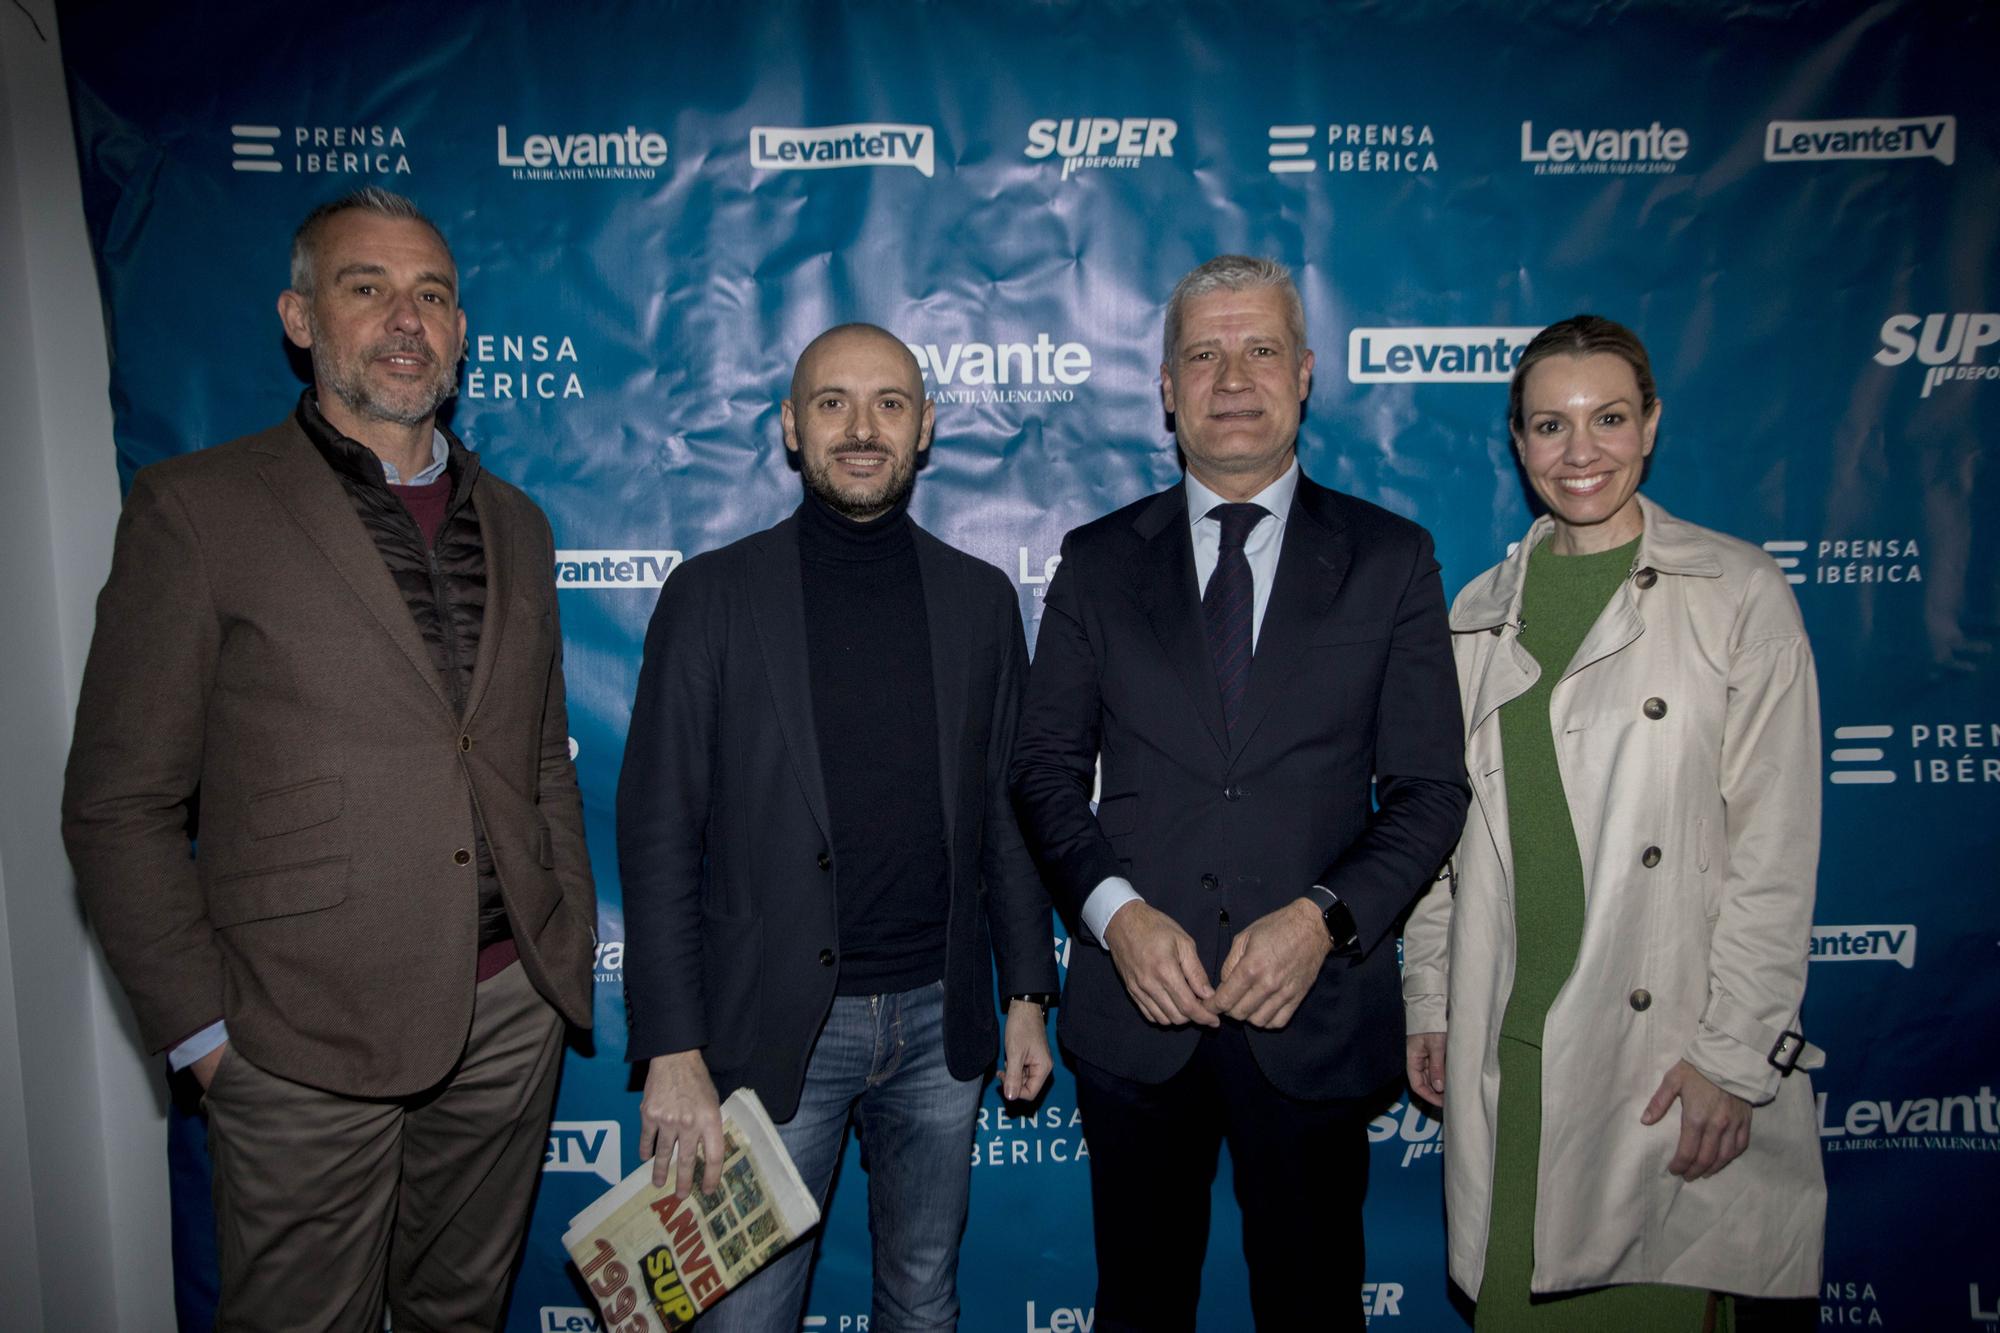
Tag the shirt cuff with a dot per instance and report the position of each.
(200, 1044)
(1104, 902)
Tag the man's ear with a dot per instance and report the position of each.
(294, 315)
(789, 423)
(929, 424)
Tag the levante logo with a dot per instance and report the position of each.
(1606, 151)
(1966, 1122)
(1041, 371)
(1457, 355)
(627, 154)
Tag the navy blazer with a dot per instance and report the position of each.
(723, 841)
(1352, 685)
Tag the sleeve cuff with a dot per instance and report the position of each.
(200, 1044)
(1104, 902)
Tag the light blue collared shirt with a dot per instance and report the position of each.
(1260, 548)
(440, 454)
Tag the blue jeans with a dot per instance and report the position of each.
(879, 1061)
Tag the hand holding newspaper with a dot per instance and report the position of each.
(655, 1260)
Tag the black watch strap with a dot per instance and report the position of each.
(1043, 998)
(1339, 919)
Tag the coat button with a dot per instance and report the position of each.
(464, 743)
(1650, 857)
(1232, 793)
(1497, 631)
(1642, 1000)
(1211, 883)
(825, 859)
(461, 857)
(1646, 578)
(1655, 708)
(826, 958)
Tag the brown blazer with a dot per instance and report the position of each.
(252, 654)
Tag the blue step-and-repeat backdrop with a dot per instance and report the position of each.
(655, 205)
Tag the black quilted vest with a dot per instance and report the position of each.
(444, 585)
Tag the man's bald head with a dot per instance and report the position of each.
(839, 335)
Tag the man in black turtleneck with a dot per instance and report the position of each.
(819, 858)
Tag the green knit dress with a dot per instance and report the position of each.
(1561, 600)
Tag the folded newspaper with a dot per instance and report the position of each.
(654, 1260)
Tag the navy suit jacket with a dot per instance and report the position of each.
(1352, 685)
(724, 844)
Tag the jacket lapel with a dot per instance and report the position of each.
(310, 492)
(1170, 597)
(1312, 564)
(946, 602)
(778, 605)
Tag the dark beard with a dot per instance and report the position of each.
(901, 481)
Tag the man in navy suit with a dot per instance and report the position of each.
(820, 860)
(1251, 656)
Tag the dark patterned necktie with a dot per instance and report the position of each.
(1227, 605)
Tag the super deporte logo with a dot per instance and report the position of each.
(778, 148)
(1948, 346)
(1096, 143)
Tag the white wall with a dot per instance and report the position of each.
(84, 1226)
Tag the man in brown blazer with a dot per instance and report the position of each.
(336, 641)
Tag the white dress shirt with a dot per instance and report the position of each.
(1260, 548)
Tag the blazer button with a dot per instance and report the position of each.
(1211, 883)
(826, 958)
(461, 857)
(1646, 578)
(1223, 916)
(1232, 793)
(1642, 1000)
(1655, 708)
(465, 743)
(1650, 857)
(825, 860)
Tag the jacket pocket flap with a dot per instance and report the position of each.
(290, 890)
(300, 806)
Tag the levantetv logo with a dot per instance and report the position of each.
(773, 148)
(1460, 355)
(1651, 151)
(615, 569)
(1865, 944)
(1866, 140)
(590, 1147)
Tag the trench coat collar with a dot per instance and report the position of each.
(1668, 546)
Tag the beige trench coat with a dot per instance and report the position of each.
(1687, 734)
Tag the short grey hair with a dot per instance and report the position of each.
(368, 199)
(1236, 273)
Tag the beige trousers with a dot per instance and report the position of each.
(327, 1205)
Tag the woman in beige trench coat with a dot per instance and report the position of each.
(1677, 1141)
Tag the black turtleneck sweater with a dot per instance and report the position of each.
(868, 650)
